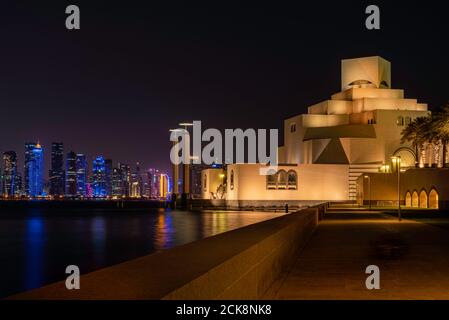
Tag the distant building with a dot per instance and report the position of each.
(136, 182)
(164, 186)
(126, 179)
(70, 181)
(34, 167)
(56, 173)
(196, 179)
(117, 182)
(9, 173)
(89, 190)
(153, 183)
(81, 175)
(18, 184)
(108, 176)
(99, 177)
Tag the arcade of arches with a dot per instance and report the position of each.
(422, 199)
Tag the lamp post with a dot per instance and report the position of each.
(369, 187)
(397, 162)
(186, 162)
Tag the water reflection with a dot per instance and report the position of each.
(34, 252)
(98, 236)
(164, 232)
(37, 246)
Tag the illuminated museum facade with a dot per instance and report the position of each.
(325, 151)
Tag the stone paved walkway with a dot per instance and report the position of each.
(413, 258)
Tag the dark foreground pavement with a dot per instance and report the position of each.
(413, 258)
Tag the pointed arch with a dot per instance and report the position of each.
(423, 199)
(415, 199)
(408, 199)
(433, 199)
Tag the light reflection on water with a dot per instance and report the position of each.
(34, 256)
(36, 247)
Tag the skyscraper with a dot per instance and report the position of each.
(70, 180)
(154, 183)
(136, 182)
(108, 176)
(34, 166)
(126, 179)
(117, 183)
(164, 186)
(18, 184)
(56, 173)
(9, 173)
(99, 177)
(81, 175)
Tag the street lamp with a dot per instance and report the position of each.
(369, 186)
(187, 159)
(397, 163)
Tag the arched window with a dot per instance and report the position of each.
(362, 84)
(231, 180)
(400, 121)
(408, 199)
(415, 200)
(433, 199)
(271, 181)
(293, 127)
(423, 200)
(282, 179)
(292, 180)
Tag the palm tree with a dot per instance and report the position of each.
(433, 136)
(442, 129)
(418, 132)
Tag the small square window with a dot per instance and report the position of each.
(293, 127)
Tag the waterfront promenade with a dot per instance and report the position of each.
(413, 258)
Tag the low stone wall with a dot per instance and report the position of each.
(239, 264)
(252, 204)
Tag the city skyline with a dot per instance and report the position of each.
(69, 175)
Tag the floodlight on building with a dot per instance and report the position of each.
(369, 186)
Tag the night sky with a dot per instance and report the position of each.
(136, 69)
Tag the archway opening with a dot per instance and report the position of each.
(415, 200)
(407, 157)
(408, 200)
(433, 199)
(423, 200)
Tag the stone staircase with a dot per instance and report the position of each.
(355, 171)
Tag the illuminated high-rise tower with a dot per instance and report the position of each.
(56, 173)
(70, 179)
(108, 176)
(34, 169)
(9, 173)
(81, 175)
(126, 179)
(99, 177)
(117, 182)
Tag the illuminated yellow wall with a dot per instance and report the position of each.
(211, 179)
(315, 182)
